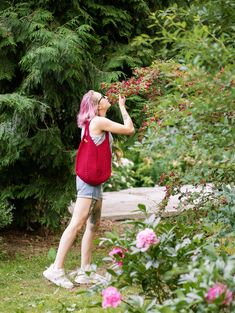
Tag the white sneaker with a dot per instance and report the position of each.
(57, 276)
(72, 274)
(87, 276)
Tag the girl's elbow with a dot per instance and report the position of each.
(131, 131)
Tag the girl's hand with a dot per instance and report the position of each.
(122, 101)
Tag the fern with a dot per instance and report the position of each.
(21, 103)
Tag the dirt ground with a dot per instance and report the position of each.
(18, 241)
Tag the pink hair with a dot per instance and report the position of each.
(88, 108)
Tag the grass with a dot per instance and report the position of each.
(23, 289)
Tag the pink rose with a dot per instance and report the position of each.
(111, 297)
(119, 252)
(217, 291)
(146, 238)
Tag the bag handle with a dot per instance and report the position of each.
(86, 133)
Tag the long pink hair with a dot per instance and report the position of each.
(88, 108)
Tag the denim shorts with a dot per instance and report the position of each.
(85, 190)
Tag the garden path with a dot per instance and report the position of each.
(123, 204)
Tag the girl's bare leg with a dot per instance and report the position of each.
(79, 217)
(89, 235)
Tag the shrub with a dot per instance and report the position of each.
(187, 126)
(147, 252)
(5, 214)
(175, 264)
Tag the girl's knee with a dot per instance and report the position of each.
(76, 227)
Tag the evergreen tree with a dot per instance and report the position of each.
(51, 52)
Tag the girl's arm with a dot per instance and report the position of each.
(106, 124)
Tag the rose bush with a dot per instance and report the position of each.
(203, 278)
(143, 83)
(175, 264)
(147, 252)
(180, 272)
(207, 286)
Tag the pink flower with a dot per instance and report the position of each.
(228, 297)
(111, 297)
(146, 238)
(217, 291)
(118, 252)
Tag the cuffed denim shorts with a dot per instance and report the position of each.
(85, 190)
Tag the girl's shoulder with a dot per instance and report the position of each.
(96, 126)
(99, 122)
(99, 119)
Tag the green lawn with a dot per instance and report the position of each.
(22, 287)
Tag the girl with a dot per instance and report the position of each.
(89, 198)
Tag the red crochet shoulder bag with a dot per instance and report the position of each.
(93, 162)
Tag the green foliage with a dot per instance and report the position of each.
(224, 212)
(50, 54)
(194, 284)
(196, 34)
(189, 129)
(5, 214)
(151, 269)
(180, 271)
(122, 174)
(184, 119)
(193, 105)
(19, 114)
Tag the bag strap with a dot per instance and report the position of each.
(87, 132)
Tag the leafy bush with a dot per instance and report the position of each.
(186, 122)
(174, 265)
(122, 174)
(195, 34)
(224, 212)
(206, 286)
(148, 266)
(5, 214)
(195, 285)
